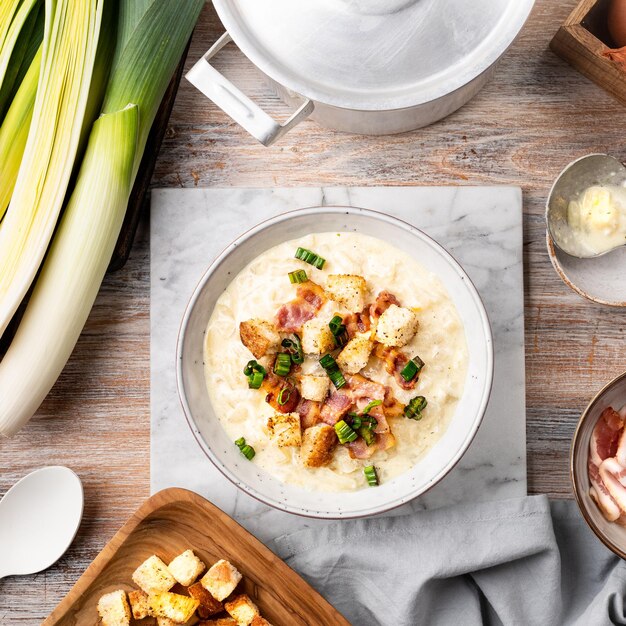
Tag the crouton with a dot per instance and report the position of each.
(318, 443)
(221, 579)
(317, 337)
(242, 609)
(139, 604)
(172, 605)
(314, 387)
(220, 621)
(396, 326)
(348, 290)
(259, 336)
(355, 355)
(259, 621)
(113, 609)
(153, 576)
(186, 568)
(208, 604)
(285, 429)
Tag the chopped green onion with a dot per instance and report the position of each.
(370, 406)
(333, 371)
(310, 257)
(339, 331)
(413, 410)
(246, 450)
(345, 434)
(355, 420)
(412, 369)
(371, 475)
(282, 366)
(255, 373)
(294, 348)
(299, 276)
(284, 395)
(368, 434)
(335, 324)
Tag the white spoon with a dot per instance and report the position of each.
(39, 517)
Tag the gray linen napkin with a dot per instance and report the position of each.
(521, 561)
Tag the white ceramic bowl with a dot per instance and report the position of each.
(255, 481)
(612, 535)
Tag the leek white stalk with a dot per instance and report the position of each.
(69, 49)
(14, 132)
(74, 268)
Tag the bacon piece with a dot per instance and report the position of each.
(394, 362)
(310, 298)
(605, 436)
(384, 441)
(600, 494)
(613, 476)
(361, 387)
(358, 449)
(383, 301)
(356, 323)
(309, 412)
(336, 406)
(393, 407)
(273, 385)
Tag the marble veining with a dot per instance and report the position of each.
(480, 226)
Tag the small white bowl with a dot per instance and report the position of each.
(431, 468)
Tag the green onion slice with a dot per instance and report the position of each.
(299, 276)
(370, 406)
(255, 373)
(282, 365)
(246, 450)
(413, 410)
(333, 371)
(284, 395)
(294, 348)
(335, 324)
(310, 257)
(368, 434)
(345, 434)
(412, 369)
(371, 475)
(339, 331)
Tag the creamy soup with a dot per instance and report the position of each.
(263, 286)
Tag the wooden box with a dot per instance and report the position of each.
(582, 41)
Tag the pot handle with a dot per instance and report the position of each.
(236, 104)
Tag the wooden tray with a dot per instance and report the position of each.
(582, 41)
(173, 520)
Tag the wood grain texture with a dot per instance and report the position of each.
(522, 129)
(582, 46)
(175, 520)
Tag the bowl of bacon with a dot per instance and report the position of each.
(598, 465)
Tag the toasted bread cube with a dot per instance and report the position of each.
(208, 604)
(314, 387)
(153, 576)
(242, 609)
(139, 604)
(220, 621)
(221, 579)
(113, 609)
(355, 355)
(318, 443)
(348, 290)
(172, 605)
(259, 621)
(317, 337)
(186, 568)
(285, 429)
(259, 336)
(396, 326)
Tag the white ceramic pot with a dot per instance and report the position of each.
(256, 482)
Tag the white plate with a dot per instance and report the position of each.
(431, 468)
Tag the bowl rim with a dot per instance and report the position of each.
(572, 471)
(339, 210)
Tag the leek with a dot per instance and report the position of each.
(69, 49)
(62, 298)
(150, 45)
(14, 132)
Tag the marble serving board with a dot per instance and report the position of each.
(480, 226)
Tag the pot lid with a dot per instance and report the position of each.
(373, 54)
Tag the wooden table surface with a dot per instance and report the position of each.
(533, 118)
